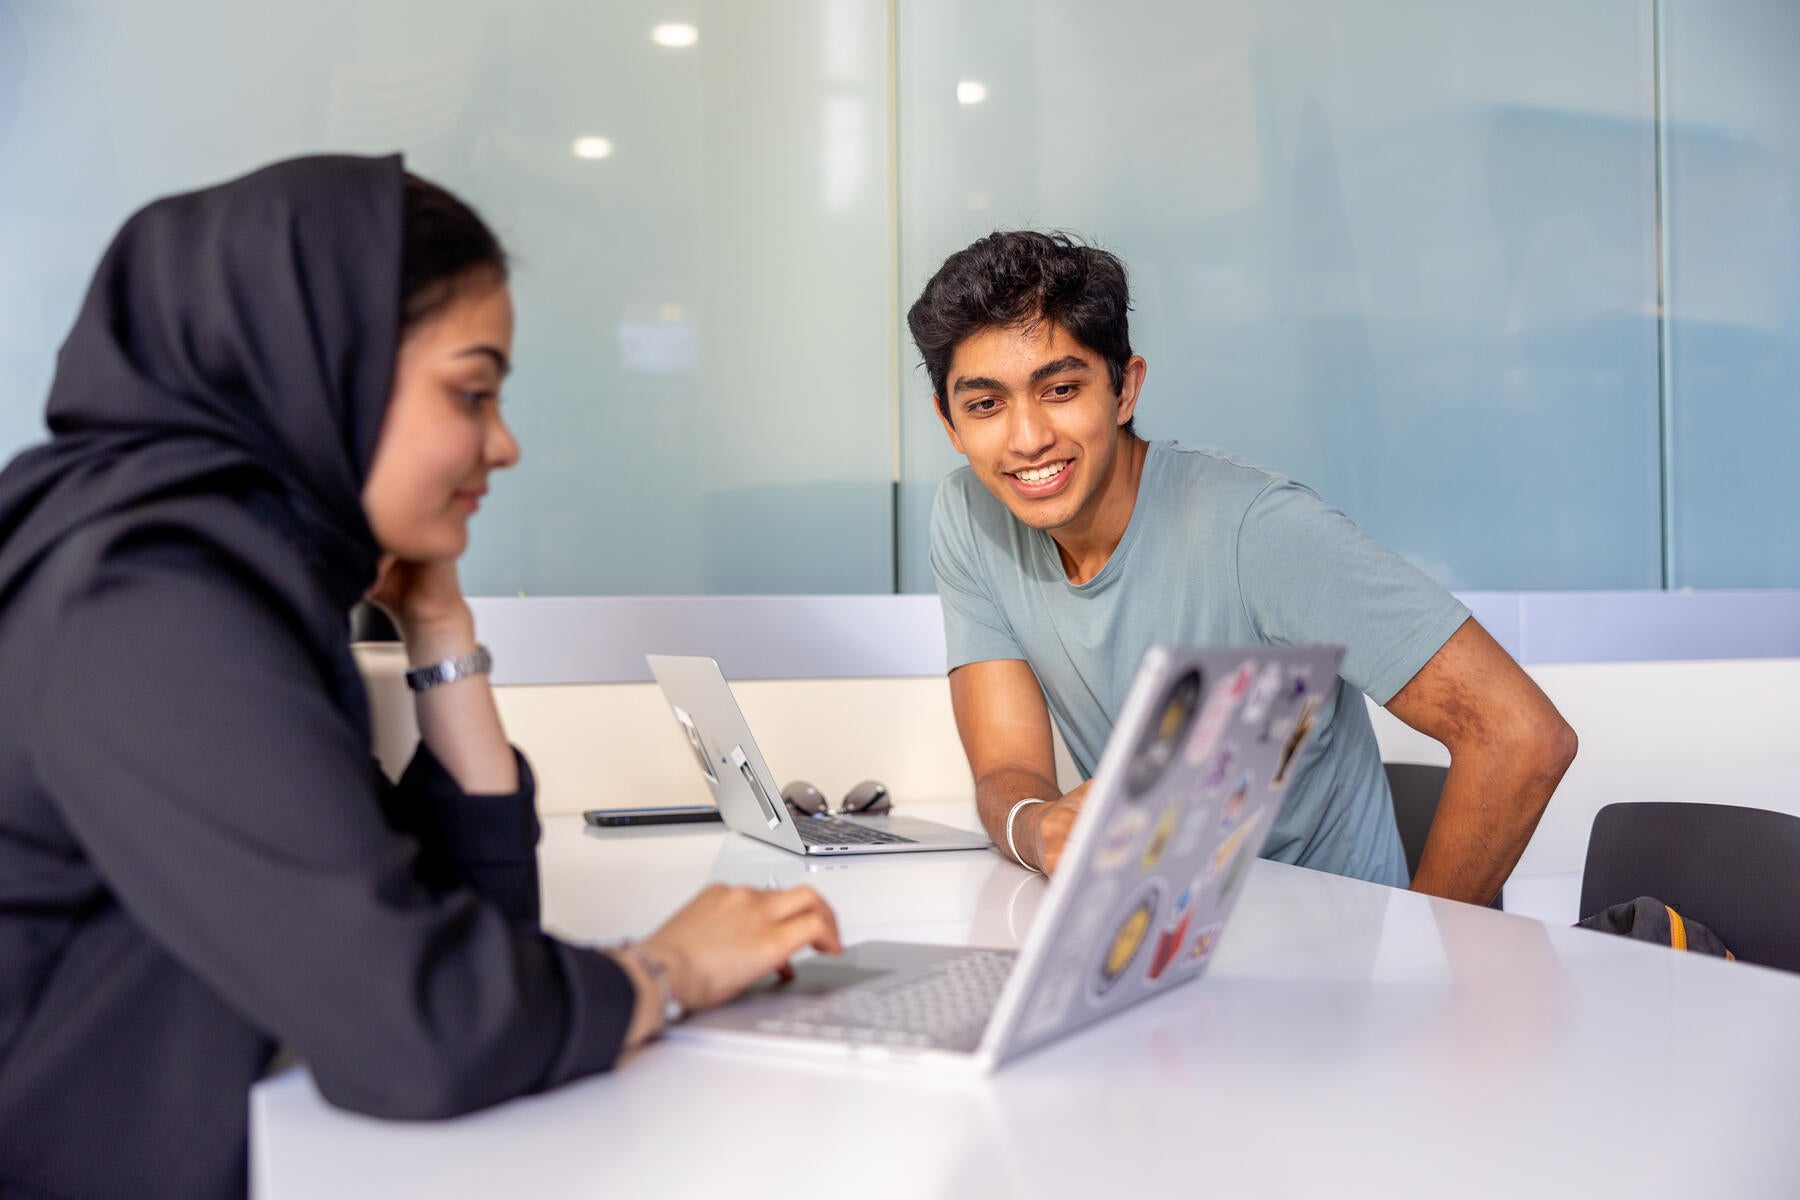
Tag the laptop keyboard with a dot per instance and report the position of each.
(949, 1005)
(839, 831)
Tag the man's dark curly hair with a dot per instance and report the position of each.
(1020, 278)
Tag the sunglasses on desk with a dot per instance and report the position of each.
(867, 799)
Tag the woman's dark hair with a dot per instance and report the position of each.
(443, 243)
(1017, 279)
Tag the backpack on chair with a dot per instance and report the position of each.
(1649, 920)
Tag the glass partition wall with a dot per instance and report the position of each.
(1512, 285)
(698, 197)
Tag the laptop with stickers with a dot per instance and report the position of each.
(1187, 788)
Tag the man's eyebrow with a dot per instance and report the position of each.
(1068, 362)
(977, 383)
(492, 352)
(983, 383)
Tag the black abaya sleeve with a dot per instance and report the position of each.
(193, 743)
(486, 842)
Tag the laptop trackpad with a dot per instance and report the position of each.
(817, 977)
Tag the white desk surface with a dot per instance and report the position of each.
(1349, 1040)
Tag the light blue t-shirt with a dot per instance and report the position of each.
(1219, 552)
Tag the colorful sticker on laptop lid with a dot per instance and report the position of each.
(1190, 832)
(1286, 704)
(1229, 846)
(1263, 693)
(1234, 855)
(1217, 714)
(1174, 931)
(1129, 933)
(1290, 748)
(1205, 940)
(1159, 837)
(1159, 744)
(1220, 769)
(1119, 839)
(1236, 802)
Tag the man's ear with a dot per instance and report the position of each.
(949, 429)
(1129, 387)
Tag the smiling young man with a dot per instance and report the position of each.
(1069, 545)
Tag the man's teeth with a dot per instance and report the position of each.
(1040, 474)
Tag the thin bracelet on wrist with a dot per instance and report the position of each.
(1012, 847)
(672, 1008)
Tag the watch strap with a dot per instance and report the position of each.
(449, 670)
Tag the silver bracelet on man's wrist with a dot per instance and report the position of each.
(449, 670)
(1011, 847)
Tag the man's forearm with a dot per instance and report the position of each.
(997, 792)
(1491, 803)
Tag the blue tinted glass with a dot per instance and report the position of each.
(1402, 253)
(702, 236)
(1732, 224)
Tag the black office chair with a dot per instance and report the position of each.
(1734, 870)
(368, 623)
(1416, 788)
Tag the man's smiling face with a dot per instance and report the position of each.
(1036, 415)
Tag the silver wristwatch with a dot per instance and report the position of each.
(423, 679)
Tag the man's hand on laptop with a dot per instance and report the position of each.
(1049, 832)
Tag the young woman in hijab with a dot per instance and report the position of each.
(278, 392)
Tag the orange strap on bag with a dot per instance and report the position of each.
(1678, 932)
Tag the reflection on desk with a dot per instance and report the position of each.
(1349, 1040)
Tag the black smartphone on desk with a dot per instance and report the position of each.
(680, 814)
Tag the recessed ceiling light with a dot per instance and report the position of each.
(970, 92)
(592, 147)
(675, 36)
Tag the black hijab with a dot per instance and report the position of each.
(239, 339)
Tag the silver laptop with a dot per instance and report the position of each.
(747, 795)
(1188, 786)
